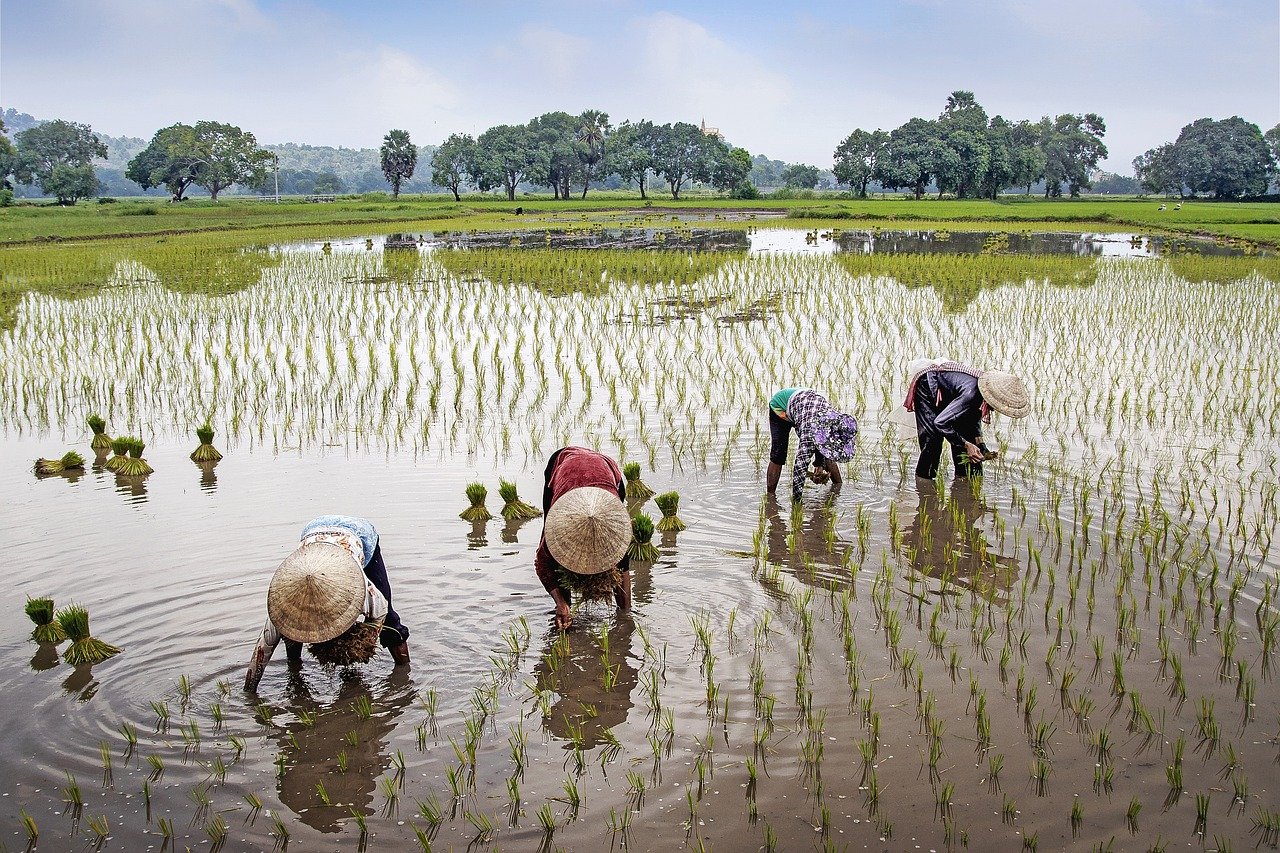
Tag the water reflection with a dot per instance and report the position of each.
(314, 754)
(208, 475)
(81, 683)
(807, 545)
(133, 487)
(511, 529)
(45, 658)
(590, 671)
(945, 540)
(479, 536)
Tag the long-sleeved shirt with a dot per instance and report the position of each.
(572, 468)
(805, 409)
(958, 402)
(360, 540)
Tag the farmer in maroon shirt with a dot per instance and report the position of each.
(587, 529)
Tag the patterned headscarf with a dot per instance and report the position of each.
(836, 435)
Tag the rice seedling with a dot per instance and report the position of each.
(642, 549)
(132, 465)
(47, 630)
(669, 503)
(84, 649)
(205, 451)
(101, 442)
(476, 494)
(69, 461)
(29, 826)
(636, 490)
(71, 791)
(512, 506)
(100, 827)
(217, 830)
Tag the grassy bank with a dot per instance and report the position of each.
(1258, 222)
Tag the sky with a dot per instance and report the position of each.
(788, 80)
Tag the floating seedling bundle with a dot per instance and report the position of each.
(70, 461)
(642, 550)
(357, 644)
(598, 587)
(134, 465)
(637, 491)
(74, 621)
(669, 503)
(101, 441)
(512, 506)
(120, 447)
(47, 629)
(476, 493)
(206, 452)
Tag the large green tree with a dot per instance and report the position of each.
(553, 152)
(453, 162)
(633, 153)
(915, 154)
(1072, 146)
(962, 127)
(399, 157)
(684, 153)
(8, 156)
(170, 160)
(856, 158)
(592, 137)
(504, 158)
(730, 170)
(58, 156)
(800, 176)
(1228, 158)
(1157, 170)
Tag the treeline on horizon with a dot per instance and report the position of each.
(962, 153)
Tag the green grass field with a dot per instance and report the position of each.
(1259, 222)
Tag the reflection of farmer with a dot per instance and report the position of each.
(579, 682)
(806, 547)
(586, 532)
(952, 402)
(333, 586)
(943, 537)
(826, 437)
(311, 749)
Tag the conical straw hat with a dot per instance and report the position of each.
(316, 594)
(1005, 393)
(588, 530)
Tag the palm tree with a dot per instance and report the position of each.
(593, 130)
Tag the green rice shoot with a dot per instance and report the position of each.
(642, 549)
(476, 494)
(47, 629)
(101, 441)
(205, 452)
(513, 507)
(84, 649)
(637, 491)
(669, 503)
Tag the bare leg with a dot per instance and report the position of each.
(623, 595)
(772, 475)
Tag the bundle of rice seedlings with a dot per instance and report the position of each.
(47, 630)
(669, 502)
(476, 493)
(206, 452)
(597, 587)
(357, 644)
(70, 461)
(119, 446)
(512, 506)
(642, 550)
(636, 489)
(101, 441)
(135, 465)
(74, 621)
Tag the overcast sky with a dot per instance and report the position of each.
(780, 78)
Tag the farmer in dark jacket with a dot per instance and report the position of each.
(587, 529)
(951, 402)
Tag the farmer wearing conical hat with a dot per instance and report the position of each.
(827, 436)
(586, 531)
(951, 402)
(332, 592)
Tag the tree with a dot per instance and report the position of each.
(1228, 158)
(399, 159)
(798, 175)
(1072, 148)
(593, 132)
(633, 152)
(913, 157)
(730, 171)
(1157, 170)
(58, 156)
(503, 158)
(962, 127)
(1026, 158)
(169, 160)
(8, 158)
(1272, 136)
(553, 152)
(683, 153)
(856, 158)
(453, 162)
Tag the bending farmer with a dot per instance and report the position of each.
(952, 402)
(586, 532)
(826, 437)
(332, 592)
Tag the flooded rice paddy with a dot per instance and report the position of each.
(1076, 651)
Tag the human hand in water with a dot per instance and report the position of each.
(975, 453)
(564, 618)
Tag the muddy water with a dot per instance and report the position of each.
(174, 569)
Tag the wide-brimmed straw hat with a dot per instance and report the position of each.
(587, 530)
(1005, 393)
(316, 594)
(917, 366)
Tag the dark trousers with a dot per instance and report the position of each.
(931, 440)
(394, 632)
(780, 439)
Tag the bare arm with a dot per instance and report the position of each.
(262, 652)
